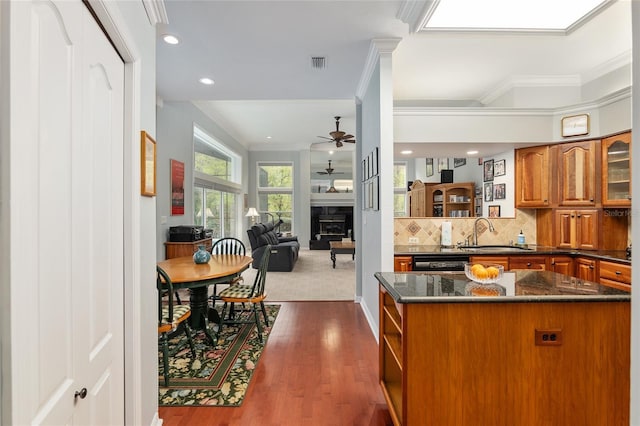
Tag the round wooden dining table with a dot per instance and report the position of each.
(185, 273)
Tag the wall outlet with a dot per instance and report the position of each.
(413, 240)
(550, 337)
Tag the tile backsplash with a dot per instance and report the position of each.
(427, 230)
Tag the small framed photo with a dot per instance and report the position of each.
(443, 163)
(488, 170)
(498, 168)
(148, 164)
(575, 125)
(429, 166)
(499, 191)
(488, 191)
(494, 211)
(459, 162)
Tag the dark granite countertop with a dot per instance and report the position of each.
(515, 286)
(435, 250)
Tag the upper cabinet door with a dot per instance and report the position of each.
(532, 177)
(616, 171)
(577, 164)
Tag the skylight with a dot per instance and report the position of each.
(518, 15)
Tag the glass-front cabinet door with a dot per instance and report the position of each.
(616, 171)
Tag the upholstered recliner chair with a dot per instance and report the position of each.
(284, 250)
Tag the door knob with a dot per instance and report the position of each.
(82, 394)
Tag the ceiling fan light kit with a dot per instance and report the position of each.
(338, 137)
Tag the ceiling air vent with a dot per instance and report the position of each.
(318, 62)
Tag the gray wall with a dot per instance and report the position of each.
(175, 141)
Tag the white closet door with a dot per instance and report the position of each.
(66, 217)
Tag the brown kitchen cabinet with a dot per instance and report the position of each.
(417, 200)
(491, 260)
(528, 262)
(532, 177)
(402, 263)
(586, 269)
(616, 171)
(577, 229)
(451, 199)
(561, 264)
(617, 275)
(577, 165)
(179, 249)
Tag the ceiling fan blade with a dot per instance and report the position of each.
(351, 141)
(322, 173)
(348, 137)
(324, 137)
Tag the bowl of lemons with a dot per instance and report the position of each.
(483, 274)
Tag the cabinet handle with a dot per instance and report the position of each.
(528, 264)
(590, 266)
(579, 216)
(572, 216)
(618, 273)
(553, 262)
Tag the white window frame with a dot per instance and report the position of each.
(205, 181)
(276, 190)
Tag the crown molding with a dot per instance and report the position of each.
(156, 12)
(530, 81)
(377, 48)
(415, 13)
(612, 64)
(616, 96)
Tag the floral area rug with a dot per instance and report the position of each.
(218, 375)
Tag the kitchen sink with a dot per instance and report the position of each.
(496, 248)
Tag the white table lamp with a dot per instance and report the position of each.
(252, 213)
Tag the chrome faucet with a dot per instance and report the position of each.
(475, 229)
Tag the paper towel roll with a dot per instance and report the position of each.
(445, 234)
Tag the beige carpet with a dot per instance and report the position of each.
(312, 278)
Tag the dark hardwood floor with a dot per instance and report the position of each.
(319, 367)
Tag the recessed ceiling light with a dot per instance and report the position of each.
(330, 152)
(206, 81)
(406, 152)
(268, 137)
(474, 152)
(170, 39)
(510, 14)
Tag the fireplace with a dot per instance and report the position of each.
(330, 223)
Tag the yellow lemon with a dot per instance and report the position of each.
(493, 272)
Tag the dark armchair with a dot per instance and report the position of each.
(284, 250)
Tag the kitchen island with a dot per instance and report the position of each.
(552, 349)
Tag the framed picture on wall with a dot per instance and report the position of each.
(498, 168)
(443, 163)
(494, 211)
(488, 170)
(177, 187)
(488, 191)
(148, 165)
(429, 166)
(458, 162)
(499, 191)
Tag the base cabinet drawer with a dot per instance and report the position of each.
(615, 275)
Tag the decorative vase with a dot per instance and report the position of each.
(202, 255)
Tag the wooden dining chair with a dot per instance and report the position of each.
(247, 294)
(227, 245)
(172, 317)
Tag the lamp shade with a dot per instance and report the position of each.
(252, 212)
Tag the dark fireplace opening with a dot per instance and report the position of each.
(330, 223)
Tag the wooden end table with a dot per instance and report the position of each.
(338, 247)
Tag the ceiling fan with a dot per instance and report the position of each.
(329, 171)
(339, 137)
